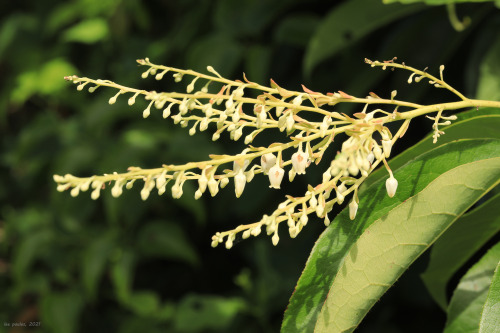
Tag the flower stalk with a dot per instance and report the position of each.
(214, 103)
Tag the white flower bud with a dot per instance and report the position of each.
(377, 152)
(276, 176)
(249, 175)
(297, 100)
(197, 194)
(289, 122)
(275, 239)
(353, 209)
(267, 161)
(353, 168)
(304, 219)
(192, 130)
(215, 136)
(203, 124)
(340, 196)
(223, 182)
(202, 182)
(327, 221)
(371, 157)
(246, 234)
(248, 138)
(279, 110)
(313, 202)
(176, 191)
(324, 125)
(239, 183)
(291, 175)
(238, 133)
(299, 162)
(255, 231)
(387, 145)
(391, 185)
(213, 186)
(282, 123)
(75, 191)
(95, 194)
(117, 189)
(320, 210)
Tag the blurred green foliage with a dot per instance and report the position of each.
(123, 265)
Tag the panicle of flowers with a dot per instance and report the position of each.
(212, 102)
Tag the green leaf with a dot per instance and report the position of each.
(490, 317)
(217, 50)
(122, 274)
(89, 31)
(337, 240)
(484, 125)
(60, 311)
(94, 261)
(348, 23)
(389, 246)
(167, 240)
(489, 77)
(458, 244)
(464, 312)
(32, 247)
(296, 29)
(47, 80)
(198, 313)
(144, 303)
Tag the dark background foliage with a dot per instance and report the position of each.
(124, 265)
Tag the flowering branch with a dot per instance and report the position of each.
(232, 109)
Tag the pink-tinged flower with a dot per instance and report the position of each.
(276, 176)
(299, 162)
(391, 185)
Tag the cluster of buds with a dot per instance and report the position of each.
(211, 101)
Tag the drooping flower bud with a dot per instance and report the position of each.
(391, 185)
(239, 183)
(377, 152)
(276, 176)
(202, 182)
(353, 209)
(340, 196)
(275, 239)
(213, 186)
(387, 145)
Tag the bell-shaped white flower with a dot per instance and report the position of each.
(239, 183)
(267, 161)
(276, 176)
(299, 162)
(391, 186)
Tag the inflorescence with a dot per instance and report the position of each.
(230, 108)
